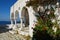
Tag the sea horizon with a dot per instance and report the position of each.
(6, 22)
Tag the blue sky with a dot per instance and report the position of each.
(5, 9)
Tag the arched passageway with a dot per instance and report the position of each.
(17, 16)
(25, 16)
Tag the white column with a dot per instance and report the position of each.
(21, 22)
(15, 26)
(30, 21)
(11, 22)
(30, 31)
(15, 22)
(11, 26)
(11, 18)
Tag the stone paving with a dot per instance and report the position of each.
(5, 35)
(8, 36)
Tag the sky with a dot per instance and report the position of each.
(5, 9)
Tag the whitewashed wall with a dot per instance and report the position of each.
(32, 18)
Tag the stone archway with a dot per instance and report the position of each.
(16, 14)
(17, 18)
(25, 16)
(12, 16)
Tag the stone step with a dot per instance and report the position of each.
(23, 33)
(25, 28)
(13, 32)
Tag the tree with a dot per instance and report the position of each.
(40, 2)
(45, 26)
(46, 23)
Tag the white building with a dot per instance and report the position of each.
(26, 15)
(17, 10)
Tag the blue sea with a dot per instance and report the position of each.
(6, 22)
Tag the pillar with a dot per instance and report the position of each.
(30, 10)
(15, 26)
(11, 22)
(15, 22)
(21, 22)
(11, 18)
(30, 31)
(21, 19)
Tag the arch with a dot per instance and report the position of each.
(16, 11)
(16, 14)
(25, 16)
(12, 16)
(12, 19)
